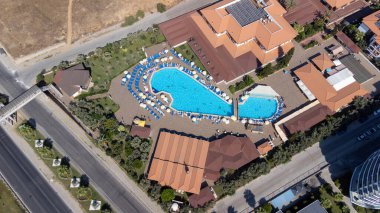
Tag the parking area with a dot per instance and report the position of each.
(354, 64)
(369, 134)
(305, 11)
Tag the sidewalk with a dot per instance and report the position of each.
(326, 175)
(44, 169)
(98, 154)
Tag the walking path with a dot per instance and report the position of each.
(43, 168)
(69, 35)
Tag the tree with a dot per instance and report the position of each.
(167, 195)
(84, 181)
(338, 197)
(299, 28)
(106, 208)
(326, 203)
(135, 142)
(110, 124)
(161, 7)
(137, 164)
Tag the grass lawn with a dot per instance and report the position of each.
(218, 190)
(8, 202)
(30, 135)
(109, 61)
(107, 104)
(189, 54)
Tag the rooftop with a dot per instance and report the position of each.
(324, 91)
(229, 152)
(72, 79)
(314, 207)
(245, 12)
(264, 148)
(179, 162)
(205, 196)
(373, 23)
(338, 3)
(323, 62)
(142, 132)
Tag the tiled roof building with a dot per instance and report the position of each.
(243, 26)
(179, 162)
(325, 92)
(229, 152)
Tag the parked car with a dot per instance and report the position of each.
(376, 112)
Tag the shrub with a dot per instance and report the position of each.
(311, 44)
(167, 195)
(246, 82)
(129, 21)
(266, 71)
(161, 7)
(284, 61)
(137, 164)
(140, 14)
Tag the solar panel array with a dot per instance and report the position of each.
(378, 24)
(245, 12)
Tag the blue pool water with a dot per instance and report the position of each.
(256, 108)
(189, 95)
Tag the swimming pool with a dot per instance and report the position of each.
(189, 95)
(258, 108)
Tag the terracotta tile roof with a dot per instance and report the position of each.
(72, 79)
(323, 62)
(264, 148)
(325, 92)
(338, 3)
(370, 21)
(179, 162)
(142, 132)
(264, 38)
(347, 42)
(229, 152)
(204, 197)
(307, 119)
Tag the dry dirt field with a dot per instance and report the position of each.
(27, 26)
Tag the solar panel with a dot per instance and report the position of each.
(245, 12)
(378, 24)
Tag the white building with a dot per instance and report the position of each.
(371, 24)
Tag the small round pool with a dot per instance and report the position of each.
(258, 108)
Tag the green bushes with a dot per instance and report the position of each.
(311, 44)
(167, 195)
(132, 19)
(309, 29)
(246, 82)
(161, 7)
(281, 63)
(360, 107)
(188, 53)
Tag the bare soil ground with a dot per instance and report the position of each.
(32, 25)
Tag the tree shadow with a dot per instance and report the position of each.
(84, 181)
(48, 143)
(231, 209)
(249, 198)
(32, 122)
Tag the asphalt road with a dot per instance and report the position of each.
(121, 199)
(342, 151)
(31, 187)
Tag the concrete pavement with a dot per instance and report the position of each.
(27, 71)
(343, 152)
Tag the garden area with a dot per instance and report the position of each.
(84, 193)
(188, 53)
(270, 69)
(109, 61)
(330, 200)
(246, 82)
(308, 30)
(8, 201)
